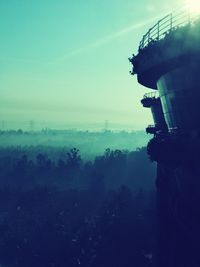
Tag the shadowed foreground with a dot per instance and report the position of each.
(98, 223)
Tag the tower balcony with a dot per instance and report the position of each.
(168, 61)
(149, 99)
(152, 129)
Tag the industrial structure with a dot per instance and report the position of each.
(168, 61)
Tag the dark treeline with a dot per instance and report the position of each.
(63, 211)
(32, 166)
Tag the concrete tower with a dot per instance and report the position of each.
(168, 61)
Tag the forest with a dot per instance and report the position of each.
(90, 143)
(57, 209)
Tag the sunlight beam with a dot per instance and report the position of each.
(193, 6)
(108, 38)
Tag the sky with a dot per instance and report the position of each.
(65, 62)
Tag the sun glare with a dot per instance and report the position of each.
(193, 6)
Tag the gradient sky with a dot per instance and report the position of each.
(66, 61)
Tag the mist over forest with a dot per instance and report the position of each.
(77, 188)
(61, 207)
(90, 143)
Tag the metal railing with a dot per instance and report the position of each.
(151, 126)
(167, 24)
(151, 95)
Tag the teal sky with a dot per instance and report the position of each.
(66, 62)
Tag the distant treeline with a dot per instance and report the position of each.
(91, 144)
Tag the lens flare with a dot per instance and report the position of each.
(193, 6)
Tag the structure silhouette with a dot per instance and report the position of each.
(168, 60)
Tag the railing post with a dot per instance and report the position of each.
(158, 34)
(148, 36)
(141, 43)
(171, 21)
